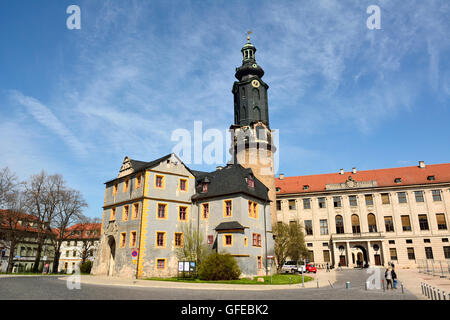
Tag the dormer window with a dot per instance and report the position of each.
(305, 187)
(398, 180)
(205, 187)
(430, 178)
(278, 189)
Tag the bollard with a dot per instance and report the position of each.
(427, 288)
(382, 281)
(421, 286)
(365, 285)
(434, 293)
(444, 297)
(401, 283)
(347, 285)
(438, 294)
(317, 283)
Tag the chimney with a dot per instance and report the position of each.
(353, 170)
(281, 176)
(219, 168)
(421, 164)
(341, 171)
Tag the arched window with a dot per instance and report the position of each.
(339, 224)
(372, 222)
(355, 224)
(257, 113)
(255, 94)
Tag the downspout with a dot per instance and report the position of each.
(265, 236)
(140, 225)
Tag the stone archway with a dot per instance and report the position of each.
(361, 256)
(111, 255)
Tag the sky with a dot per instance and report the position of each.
(77, 101)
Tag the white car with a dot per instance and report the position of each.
(289, 267)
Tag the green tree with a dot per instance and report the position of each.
(194, 247)
(289, 243)
(218, 266)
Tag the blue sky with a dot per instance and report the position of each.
(76, 102)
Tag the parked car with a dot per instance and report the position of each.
(289, 267)
(310, 267)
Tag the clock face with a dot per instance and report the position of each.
(255, 83)
(254, 65)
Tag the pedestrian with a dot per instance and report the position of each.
(339, 266)
(328, 267)
(388, 277)
(394, 278)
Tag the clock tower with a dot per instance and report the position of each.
(251, 137)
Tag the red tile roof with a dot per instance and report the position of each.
(83, 227)
(384, 177)
(16, 217)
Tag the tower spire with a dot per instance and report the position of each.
(248, 36)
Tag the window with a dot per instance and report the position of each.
(309, 244)
(133, 239)
(228, 240)
(138, 181)
(411, 255)
(182, 213)
(67, 253)
(291, 204)
(308, 227)
(409, 241)
(183, 185)
(436, 195)
(423, 222)
(323, 227)
(126, 210)
(353, 201)
(159, 182)
(305, 187)
(393, 253)
(293, 223)
(251, 182)
(205, 187)
(426, 241)
(160, 239)
(205, 210)
(398, 180)
(135, 210)
(228, 210)
(389, 224)
(325, 244)
(339, 224)
(311, 255)
(337, 202)
(113, 214)
(441, 223)
(391, 241)
(430, 178)
(355, 224)
(123, 239)
(429, 253)
(252, 209)
(447, 252)
(326, 256)
(444, 239)
(406, 223)
(210, 239)
(256, 240)
(419, 196)
(278, 205)
(322, 203)
(116, 188)
(307, 203)
(401, 197)
(245, 241)
(160, 263)
(259, 262)
(162, 211)
(178, 239)
(372, 222)
(125, 185)
(385, 198)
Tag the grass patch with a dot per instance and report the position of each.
(276, 279)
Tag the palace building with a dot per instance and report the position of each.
(148, 203)
(373, 217)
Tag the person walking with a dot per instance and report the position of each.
(339, 266)
(388, 277)
(328, 267)
(394, 278)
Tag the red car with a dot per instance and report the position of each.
(311, 268)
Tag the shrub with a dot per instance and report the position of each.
(219, 267)
(86, 267)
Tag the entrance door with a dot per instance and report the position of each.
(342, 261)
(377, 260)
(112, 247)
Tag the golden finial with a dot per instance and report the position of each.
(248, 36)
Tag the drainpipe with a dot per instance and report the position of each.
(265, 235)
